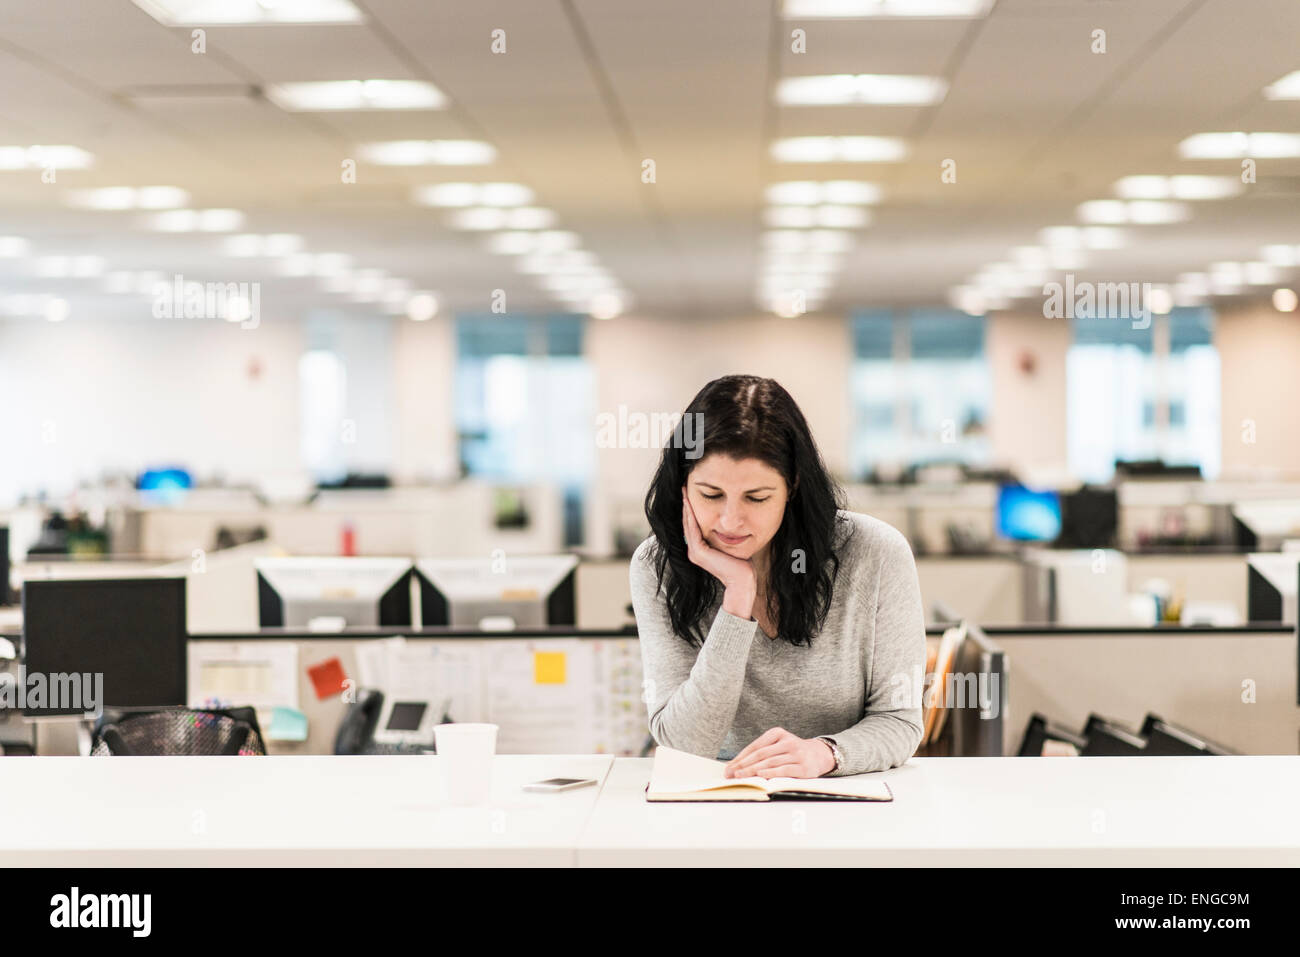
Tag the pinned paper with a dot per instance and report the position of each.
(327, 677)
(287, 724)
(548, 667)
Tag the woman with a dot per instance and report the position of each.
(778, 632)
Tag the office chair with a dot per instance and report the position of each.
(178, 731)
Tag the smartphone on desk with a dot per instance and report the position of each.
(559, 784)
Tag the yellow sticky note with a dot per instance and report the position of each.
(548, 667)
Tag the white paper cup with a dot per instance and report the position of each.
(465, 754)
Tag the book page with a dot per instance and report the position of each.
(677, 772)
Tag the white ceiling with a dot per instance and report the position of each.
(588, 88)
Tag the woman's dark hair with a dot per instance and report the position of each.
(742, 417)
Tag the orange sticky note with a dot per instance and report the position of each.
(548, 667)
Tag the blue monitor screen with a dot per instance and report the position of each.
(166, 485)
(1029, 516)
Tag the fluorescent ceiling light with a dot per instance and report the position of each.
(428, 153)
(12, 247)
(1259, 274)
(493, 217)
(294, 266)
(1141, 211)
(1178, 187)
(474, 194)
(197, 221)
(838, 149)
(1161, 301)
(63, 267)
(1030, 257)
(175, 13)
(422, 307)
(578, 261)
(1287, 88)
(578, 283)
(869, 88)
(251, 244)
(521, 243)
(56, 310)
(819, 240)
(607, 306)
(1082, 237)
(328, 264)
(357, 95)
(1277, 255)
(831, 217)
(1240, 146)
(130, 197)
(42, 157)
(853, 9)
(806, 193)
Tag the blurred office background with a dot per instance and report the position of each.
(450, 239)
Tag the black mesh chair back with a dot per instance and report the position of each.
(179, 731)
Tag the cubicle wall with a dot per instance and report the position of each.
(548, 694)
(1234, 686)
(452, 521)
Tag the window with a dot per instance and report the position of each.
(920, 389)
(524, 404)
(1148, 393)
(322, 401)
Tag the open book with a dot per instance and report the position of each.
(680, 776)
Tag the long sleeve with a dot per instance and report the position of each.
(890, 731)
(691, 694)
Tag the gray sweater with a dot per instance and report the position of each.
(858, 683)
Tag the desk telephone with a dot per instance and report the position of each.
(378, 725)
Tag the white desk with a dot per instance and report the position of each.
(1159, 811)
(285, 811)
(304, 811)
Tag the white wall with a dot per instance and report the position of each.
(424, 368)
(657, 366)
(82, 397)
(1259, 354)
(134, 392)
(1027, 421)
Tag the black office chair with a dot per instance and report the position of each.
(178, 731)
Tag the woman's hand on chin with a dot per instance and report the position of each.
(736, 574)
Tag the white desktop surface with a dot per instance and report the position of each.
(286, 811)
(1123, 811)
(328, 810)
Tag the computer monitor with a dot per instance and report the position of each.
(364, 592)
(529, 591)
(129, 630)
(1089, 518)
(164, 485)
(1040, 731)
(1271, 586)
(5, 591)
(1165, 738)
(1028, 516)
(1108, 738)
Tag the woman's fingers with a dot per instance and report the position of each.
(769, 738)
